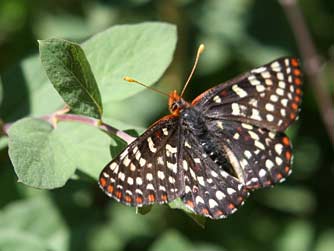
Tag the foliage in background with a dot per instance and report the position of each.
(239, 35)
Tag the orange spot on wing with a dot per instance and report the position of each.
(297, 99)
(296, 72)
(224, 93)
(279, 176)
(286, 169)
(103, 181)
(286, 141)
(297, 81)
(151, 197)
(139, 200)
(110, 188)
(158, 134)
(164, 197)
(128, 198)
(298, 91)
(231, 206)
(288, 155)
(292, 116)
(205, 211)
(219, 213)
(119, 194)
(294, 62)
(190, 203)
(294, 106)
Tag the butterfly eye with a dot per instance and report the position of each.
(174, 106)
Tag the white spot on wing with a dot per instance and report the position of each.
(151, 145)
(235, 109)
(258, 144)
(269, 164)
(212, 203)
(262, 173)
(217, 99)
(279, 149)
(172, 166)
(161, 175)
(256, 114)
(220, 195)
(239, 91)
(270, 107)
(199, 199)
(230, 191)
(165, 131)
(259, 70)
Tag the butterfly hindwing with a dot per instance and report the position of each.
(146, 171)
(260, 157)
(209, 190)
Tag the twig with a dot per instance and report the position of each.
(311, 61)
(54, 118)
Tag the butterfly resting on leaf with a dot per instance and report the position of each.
(212, 152)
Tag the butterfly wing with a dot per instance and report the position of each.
(268, 96)
(146, 171)
(249, 113)
(209, 190)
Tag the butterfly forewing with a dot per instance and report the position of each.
(146, 171)
(268, 96)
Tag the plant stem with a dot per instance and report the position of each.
(59, 116)
(311, 63)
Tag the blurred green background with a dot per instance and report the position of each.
(239, 35)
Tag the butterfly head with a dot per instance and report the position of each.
(176, 103)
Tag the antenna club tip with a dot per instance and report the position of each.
(201, 48)
(126, 78)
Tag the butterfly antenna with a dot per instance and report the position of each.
(199, 52)
(131, 80)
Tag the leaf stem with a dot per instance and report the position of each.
(54, 118)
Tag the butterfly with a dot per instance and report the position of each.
(212, 152)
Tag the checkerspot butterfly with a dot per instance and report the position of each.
(211, 152)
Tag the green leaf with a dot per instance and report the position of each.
(142, 51)
(18, 241)
(172, 240)
(39, 154)
(325, 240)
(27, 91)
(90, 145)
(144, 210)
(45, 157)
(36, 219)
(178, 204)
(298, 235)
(69, 71)
(295, 200)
